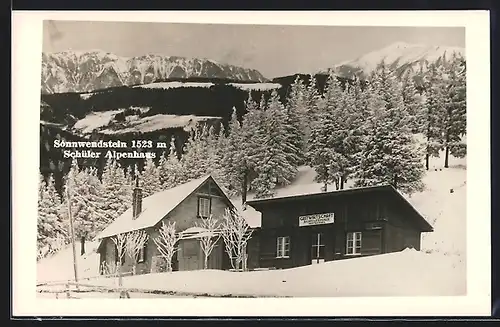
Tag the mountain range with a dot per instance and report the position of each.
(399, 56)
(83, 71)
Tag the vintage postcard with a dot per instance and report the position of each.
(282, 163)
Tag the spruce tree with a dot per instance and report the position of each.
(455, 126)
(274, 159)
(215, 156)
(297, 124)
(86, 197)
(243, 147)
(390, 152)
(224, 151)
(411, 103)
(320, 152)
(51, 230)
(314, 105)
(435, 113)
(334, 139)
(193, 160)
(349, 147)
(171, 174)
(150, 178)
(117, 190)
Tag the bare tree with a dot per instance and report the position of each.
(209, 237)
(236, 233)
(134, 243)
(120, 241)
(166, 242)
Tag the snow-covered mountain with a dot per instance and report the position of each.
(399, 56)
(83, 71)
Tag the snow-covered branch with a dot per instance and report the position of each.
(209, 236)
(135, 243)
(236, 233)
(120, 241)
(166, 242)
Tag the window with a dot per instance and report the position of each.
(353, 246)
(318, 247)
(283, 250)
(141, 257)
(204, 206)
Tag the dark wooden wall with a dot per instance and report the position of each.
(381, 217)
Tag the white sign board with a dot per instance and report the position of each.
(316, 219)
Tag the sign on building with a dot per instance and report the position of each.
(316, 219)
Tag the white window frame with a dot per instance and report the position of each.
(356, 239)
(318, 244)
(203, 210)
(283, 247)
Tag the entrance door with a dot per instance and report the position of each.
(318, 248)
(189, 255)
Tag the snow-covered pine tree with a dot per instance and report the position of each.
(86, 199)
(349, 147)
(244, 147)
(412, 103)
(224, 149)
(320, 152)
(150, 178)
(234, 168)
(314, 104)
(435, 113)
(275, 161)
(161, 169)
(194, 161)
(455, 124)
(390, 152)
(297, 124)
(117, 190)
(51, 230)
(215, 156)
(169, 167)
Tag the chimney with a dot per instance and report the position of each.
(136, 200)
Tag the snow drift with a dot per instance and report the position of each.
(406, 273)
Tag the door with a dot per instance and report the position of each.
(189, 255)
(215, 257)
(317, 248)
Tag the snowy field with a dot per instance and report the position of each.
(256, 86)
(438, 269)
(173, 85)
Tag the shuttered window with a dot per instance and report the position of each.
(204, 205)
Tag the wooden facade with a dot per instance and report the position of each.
(186, 214)
(336, 225)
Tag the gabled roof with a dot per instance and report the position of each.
(420, 220)
(154, 208)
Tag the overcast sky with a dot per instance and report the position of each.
(273, 50)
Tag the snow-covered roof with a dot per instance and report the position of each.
(154, 208)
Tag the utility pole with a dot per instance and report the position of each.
(72, 232)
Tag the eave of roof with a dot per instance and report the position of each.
(424, 225)
(260, 202)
